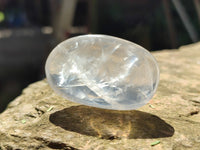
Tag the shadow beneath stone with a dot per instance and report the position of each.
(111, 124)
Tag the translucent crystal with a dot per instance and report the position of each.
(103, 71)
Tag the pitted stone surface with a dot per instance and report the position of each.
(40, 119)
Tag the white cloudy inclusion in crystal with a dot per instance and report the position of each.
(103, 71)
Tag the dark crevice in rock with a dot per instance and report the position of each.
(39, 111)
(17, 136)
(195, 103)
(194, 112)
(198, 102)
(111, 124)
(44, 143)
(7, 147)
(30, 115)
(55, 144)
(113, 138)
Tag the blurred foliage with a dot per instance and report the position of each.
(144, 22)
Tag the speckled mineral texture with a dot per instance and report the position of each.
(39, 119)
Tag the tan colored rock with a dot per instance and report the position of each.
(39, 119)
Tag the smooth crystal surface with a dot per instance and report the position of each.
(103, 71)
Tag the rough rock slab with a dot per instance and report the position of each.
(39, 119)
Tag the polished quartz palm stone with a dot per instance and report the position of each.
(103, 71)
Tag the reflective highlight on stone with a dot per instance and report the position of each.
(103, 71)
